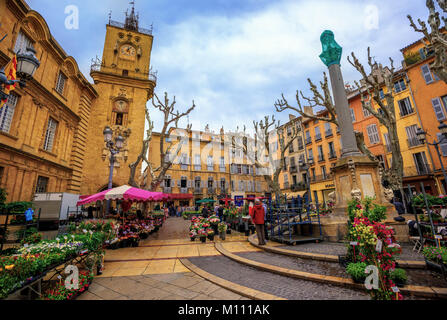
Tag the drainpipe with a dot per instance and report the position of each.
(420, 123)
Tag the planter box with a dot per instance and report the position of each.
(436, 266)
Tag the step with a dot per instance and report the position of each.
(420, 291)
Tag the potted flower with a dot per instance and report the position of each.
(436, 258)
(193, 235)
(202, 235)
(210, 234)
(222, 228)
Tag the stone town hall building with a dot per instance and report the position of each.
(51, 131)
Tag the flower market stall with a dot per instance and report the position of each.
(207, 228)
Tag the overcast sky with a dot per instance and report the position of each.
(236, 57)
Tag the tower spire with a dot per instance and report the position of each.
(131, 19)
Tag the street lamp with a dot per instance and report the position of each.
(114, 148)
(422, 136)
(27, 64)
(305, 167)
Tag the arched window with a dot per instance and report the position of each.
(120, 111)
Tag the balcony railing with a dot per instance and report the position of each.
(417, 171)
(198, 191)
(286, 185)
(299, 187)
(407, 112)
(183, 190)
(332, 155)
(211, 190)
(300, 146)
(329, 133)
(293, 169)
(323, 177)
(222, 169)
(123, 26)
(210, 168)
(308, 141)
(318, 137)
(197, 167)
(413, 142)
(167, 189)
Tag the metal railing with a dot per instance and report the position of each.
(293, 169)
(413, 142)
(167, 189)
(123, 26)
(417, 171)
(318, 137)
(329, 133)
(308, 141)
(332, 155)
(183, 190)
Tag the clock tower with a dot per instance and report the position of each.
(124, 82)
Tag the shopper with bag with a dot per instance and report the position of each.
(257, 214)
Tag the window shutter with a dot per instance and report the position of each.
(7, 113)
(162, 184)
(440, 115)
(443, 145)
(426, 73)
(189, 184)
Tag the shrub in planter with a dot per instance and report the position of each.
(399, 277)
(357, 271)
(211, 234)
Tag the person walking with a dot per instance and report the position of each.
(257, 215)
(220, 212)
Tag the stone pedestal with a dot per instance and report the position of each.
(357, 177)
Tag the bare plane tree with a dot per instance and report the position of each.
(260, 154)
(171, 119)
(371, 88)
(435, 39)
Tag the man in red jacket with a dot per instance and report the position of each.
(257, 214)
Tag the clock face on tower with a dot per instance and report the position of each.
(128, 52)
(120, 106)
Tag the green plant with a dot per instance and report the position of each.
(437, 255)
(399, 276)
(357, 270)
(222, 227)
(412, 58)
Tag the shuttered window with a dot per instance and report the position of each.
(405, 107)
(440, 114)
(60, 85)
(412, 136)
(22, 43)
(373, 134)
(400, 86)
(352, 114)
(7, 113)
(443, 144)
(366, 113)
(426, 73)
(49, 134)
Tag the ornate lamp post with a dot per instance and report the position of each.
(114, 148)
(27, 64)
(422, 136)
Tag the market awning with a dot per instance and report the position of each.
(125, 193)
(206, 201)
(180, 196)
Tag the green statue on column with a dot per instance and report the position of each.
(331, 50)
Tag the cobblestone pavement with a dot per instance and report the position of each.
(306, 265)
(415, 277)
(281, 286)
(174, 286)
(340, 249)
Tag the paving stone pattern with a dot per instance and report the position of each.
(306, 265)
(340, 249)
(284, 287)
(174, 286)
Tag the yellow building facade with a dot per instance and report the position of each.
(207, 166)
(42, 126)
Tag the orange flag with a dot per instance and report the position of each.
(11, 74)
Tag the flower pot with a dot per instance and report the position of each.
(203, 239)
(193, 238)
(228, 231)
(223, 235)
(211, 238)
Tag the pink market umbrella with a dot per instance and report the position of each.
(125, 193)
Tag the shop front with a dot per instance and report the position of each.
(321, 190)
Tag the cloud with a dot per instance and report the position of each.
(236, 57)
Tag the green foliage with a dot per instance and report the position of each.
(412, 58)
(419, 201)
(3, 195)
(357, 270)
(222, 227)
(374, 212)
(437, 255)
(399, 276)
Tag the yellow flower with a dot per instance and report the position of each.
(10, 267)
